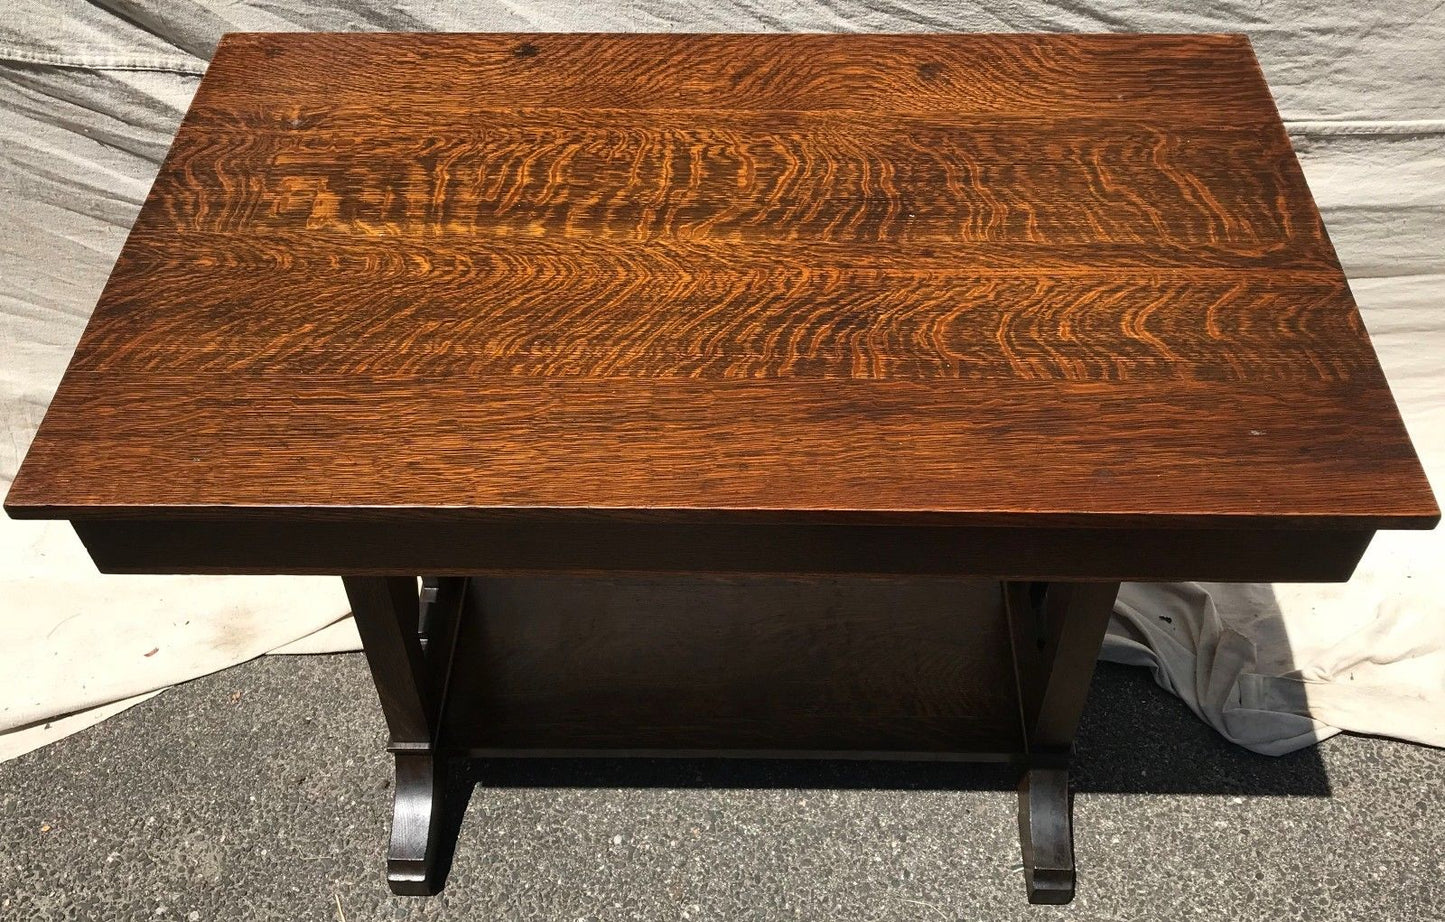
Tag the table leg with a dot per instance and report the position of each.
(1046, 834)
(415, 823)
(408, 639)
(1057, 629)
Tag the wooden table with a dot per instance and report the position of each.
(753, 345)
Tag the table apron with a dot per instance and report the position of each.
(397, 548)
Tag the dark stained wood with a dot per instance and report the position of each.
(713, 665)
(417, 805)
(410, 658)
(1038, 281)
(597, 545)
(386, 613)
(1046, 834)
(1055, 630)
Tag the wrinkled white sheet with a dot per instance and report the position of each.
(90, 94)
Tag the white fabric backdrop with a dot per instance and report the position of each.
(90, 94)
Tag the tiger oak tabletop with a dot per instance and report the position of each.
(1054, 281)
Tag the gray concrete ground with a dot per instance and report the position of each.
(263, 793)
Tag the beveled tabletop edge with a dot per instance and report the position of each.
(559, 515)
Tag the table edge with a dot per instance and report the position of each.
(1423, 519)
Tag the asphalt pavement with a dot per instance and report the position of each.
(263, 792)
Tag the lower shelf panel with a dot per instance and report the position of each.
(733, 666)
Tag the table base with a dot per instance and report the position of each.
(728, 666)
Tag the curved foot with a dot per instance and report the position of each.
(1046, 833)
(416, 810)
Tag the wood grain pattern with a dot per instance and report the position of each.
(1024, 280)
(298, 82)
